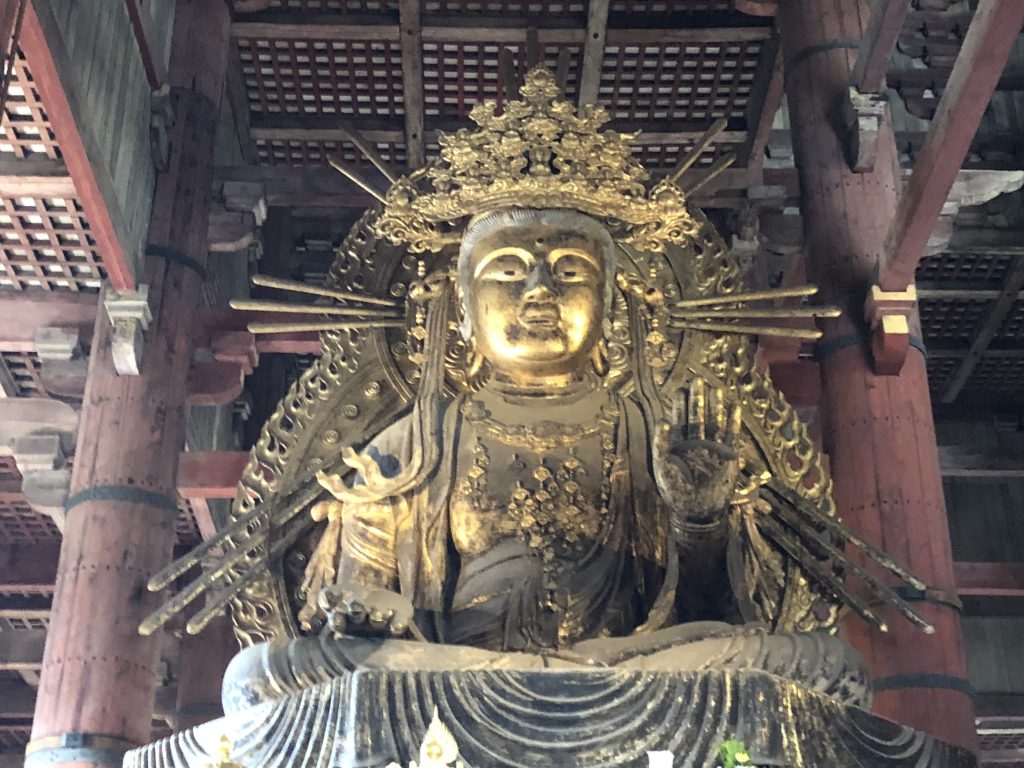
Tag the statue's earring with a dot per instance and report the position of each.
(474, 359)
(599, 357)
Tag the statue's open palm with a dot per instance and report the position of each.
(696, 465)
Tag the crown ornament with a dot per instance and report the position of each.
(539, 153)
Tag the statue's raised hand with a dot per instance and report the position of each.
(367, 608)
(696, 465)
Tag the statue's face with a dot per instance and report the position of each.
(536, 298)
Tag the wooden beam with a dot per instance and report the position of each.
(238, 100)
(494, 30)
(958, 461)
(878, 44)
(987, 330)
(411, 30)
(210, 474)
(22, 649)
(767, 93)
(278, 127)
(593, 51)
(990, 579)
(28, 567)
(8, 386)
(145, 38)
(35, 177)
(47, 58)
(24, 313)
(986, 47)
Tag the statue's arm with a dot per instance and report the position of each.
(696, 468)
(368, 546)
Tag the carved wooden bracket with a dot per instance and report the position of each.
(130, 315)
(863, 115)
(215, 382)
(237, 347)
(888, 313)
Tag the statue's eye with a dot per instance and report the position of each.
(506, 269)
(573, 268)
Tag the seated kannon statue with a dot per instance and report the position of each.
(546, 445)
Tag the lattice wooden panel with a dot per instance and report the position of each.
(24, 368)
(697, 82)
(963, 267)
(996, 741)
(640, 7)
(185, 527)
(345, 78)
(45, 244)
(339, 6)
(457, 76)
(24, 621)
(506, 7)
(280, 152)
(1013, 325)
(953, 320)
(9, 470)
(997, 374)
(662, 158)
(20, 524)
(25, 130)
(939, 371)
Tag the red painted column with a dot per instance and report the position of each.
(878, 430)
(98, 679)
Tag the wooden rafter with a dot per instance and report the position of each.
(412, 81)
(986, 47)
(483, 29)
(145, 38)
(390, 131)
(987, 330)
(766, 96)
(593, 51)
(878, 44)
(239, 103)
(35, 177)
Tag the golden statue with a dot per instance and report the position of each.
(537, 430)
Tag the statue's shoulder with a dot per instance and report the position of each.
(395, 437)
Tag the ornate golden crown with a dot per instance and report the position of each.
(538, 154)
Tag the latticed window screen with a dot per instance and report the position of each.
(24, 368)
(963, 267)
(45, 244)
(296, 152)
(345, 78)
(951, 320)
(25, 130)
(20, 524)
(697, 82)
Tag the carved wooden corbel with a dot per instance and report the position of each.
(130, 315)
(863, 115)
(888, 313)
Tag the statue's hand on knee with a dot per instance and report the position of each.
(373, 609)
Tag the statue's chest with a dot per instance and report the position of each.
(554, 498)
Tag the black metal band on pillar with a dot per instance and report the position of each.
(826, 347)
(830, 44)
(124, 493)
(924, 680)
(178, 257)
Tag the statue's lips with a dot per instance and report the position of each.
(540, 315)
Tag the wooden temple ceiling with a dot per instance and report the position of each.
(307, 73)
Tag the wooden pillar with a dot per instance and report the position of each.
(202, 660)
(878, 430)
(99, 675)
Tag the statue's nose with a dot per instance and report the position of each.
(539, 283)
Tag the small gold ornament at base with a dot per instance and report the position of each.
(438, 749)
